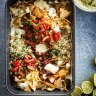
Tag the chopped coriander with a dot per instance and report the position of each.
(40, 66)
(63, 31)
(16, 74)
(10, 66)
(55, 52)
(19, 55)
(10, 73)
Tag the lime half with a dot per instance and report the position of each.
(94, 92)
(95, 60)
(93, 79)
(87, 87)
(77, 91)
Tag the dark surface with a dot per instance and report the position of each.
(85, 46)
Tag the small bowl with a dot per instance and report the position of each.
(81, 6)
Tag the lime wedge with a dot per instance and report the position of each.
(93, 79)
(87, 87)
(94, 92)
(77, 91)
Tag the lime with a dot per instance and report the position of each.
(87, 87)
(95, 60)
(77, 91)
(93, 79)
(94, 92)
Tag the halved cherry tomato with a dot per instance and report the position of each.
(39, 37)
(51, 47)
(44, 26)
(26, 71)
(53, 32)
(42, 35)
(47, 27)
(36, 28)
(16, 63)
(13, 70)
(42, 20)
(52, 39)
(35, 21)
(46, 33)
(27, 56)
(17, 68)
(20, 74)
(56, 37)
(42, 30)
(59, 34)
(32, 61)
(47, 38)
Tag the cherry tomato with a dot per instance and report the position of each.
(42, 20)
(20, 74)
(16, 63)
(42, 35)
(47, 27)
(31, 61)
(36, 28)
(53, 32)
(46, 33)
(47, 38)
(44, 26)
(56, 37)
(39, 37)
(52, 39)
(13, 70)
(51, 47)
(27, 56)
(17, 68)
(59, 34)
(26, 71)
(42, 30)
(35, 21)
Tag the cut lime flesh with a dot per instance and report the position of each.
(87, 87)
(95, 60)
(77, 91)
(93, 79)
(94, 92)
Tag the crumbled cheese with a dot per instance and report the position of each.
(59, 63)
(57, 29)
(27, 10)
(52, 12)
(41, 48)
(52, 79)
(44, 76)
(12, 31)
(21, 11)
(20, 31)
(22, 85)
(51, 68)
(68, 66)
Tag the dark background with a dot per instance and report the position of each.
(85, 46)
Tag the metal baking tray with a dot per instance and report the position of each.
(39, 92)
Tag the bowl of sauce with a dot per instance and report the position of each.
(86, 5)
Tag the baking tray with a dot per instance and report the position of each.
(39, 92)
